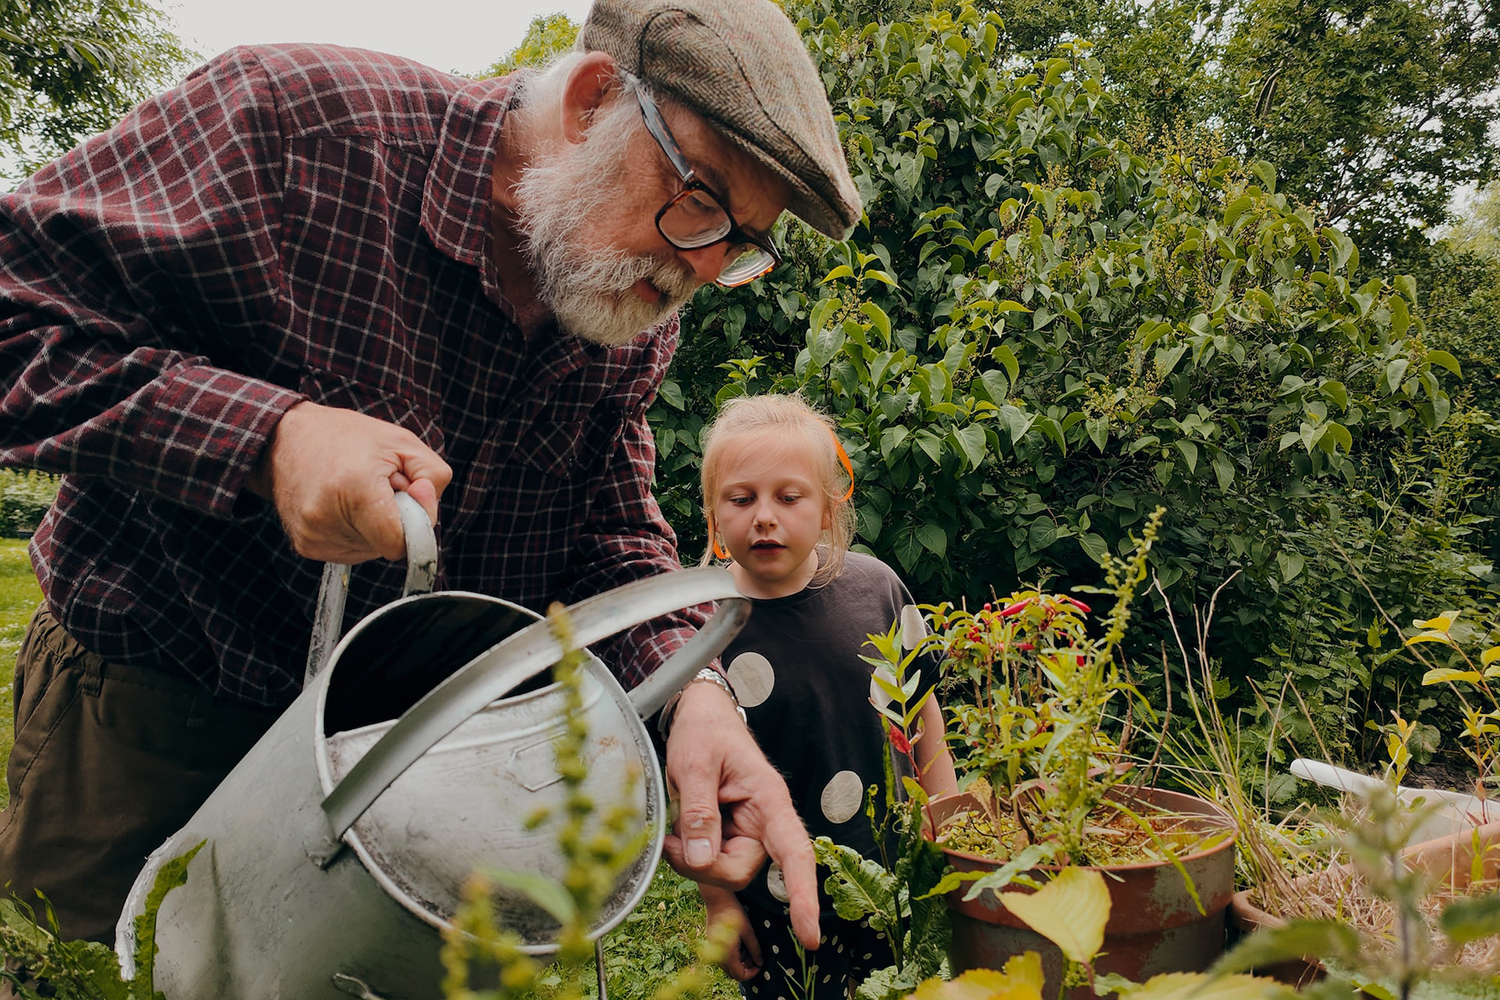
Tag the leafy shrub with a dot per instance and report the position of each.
(25, 495)
(1038, 334)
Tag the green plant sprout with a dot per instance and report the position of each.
(82, 970)
(899, 895)
(1481, 718)
(475, 948)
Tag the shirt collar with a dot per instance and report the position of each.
(456, 200)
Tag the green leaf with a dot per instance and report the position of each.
(908, 549)
(543, 890)
(1446, 675)
(933, 539)
(1466, 920)
(878, 319)
(1395, 374)
(1189, 453)
(1016, 422)
(996, 386)
(825, 343)
(1445, 360)
(1070, 911)
(1198, 986)
(1007, 358)
(858, 887)
(1327, 939)
(1098, 431)
(842, 271)
(1094, 546)
(970, 441)
(931, 445)
(1041, 534)
(891, 439)
(1021, 979)
(1223, 470)
(1290, 562)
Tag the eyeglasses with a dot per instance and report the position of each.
(697, 217)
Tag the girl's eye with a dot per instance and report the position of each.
(739, 501)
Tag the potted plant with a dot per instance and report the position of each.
(1411, 910)
(1043, 741)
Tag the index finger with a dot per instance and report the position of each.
(786, 841)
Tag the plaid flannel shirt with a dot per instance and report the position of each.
(302, 223)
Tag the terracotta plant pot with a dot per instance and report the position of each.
(1154, 925)
(1448, 858)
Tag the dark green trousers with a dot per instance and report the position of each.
(109, 761)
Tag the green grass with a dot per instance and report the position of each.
(656, 939)
(19, 595)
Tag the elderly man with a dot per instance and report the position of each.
(310, 277)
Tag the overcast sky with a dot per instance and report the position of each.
(462, 35)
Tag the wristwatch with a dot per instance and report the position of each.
(708, 674)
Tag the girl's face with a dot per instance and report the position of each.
(769, 511)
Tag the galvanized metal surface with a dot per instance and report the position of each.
(1154, 924)
(333, 592)
(258, 918)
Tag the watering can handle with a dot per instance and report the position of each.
(421, 571)
(523, 655)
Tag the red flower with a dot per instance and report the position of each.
(1025, 645)
(1079, 605)
(899, 740)
(1014, 609)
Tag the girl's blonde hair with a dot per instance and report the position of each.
(796, 425)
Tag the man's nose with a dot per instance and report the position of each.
(706, 263)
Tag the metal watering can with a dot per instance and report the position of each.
(337, 850)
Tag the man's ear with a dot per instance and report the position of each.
(590, 86)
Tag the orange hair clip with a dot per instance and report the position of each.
(848, 467)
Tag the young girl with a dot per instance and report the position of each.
(776, 492)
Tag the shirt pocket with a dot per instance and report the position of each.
(563, 442)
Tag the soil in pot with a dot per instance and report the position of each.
(1154, 926)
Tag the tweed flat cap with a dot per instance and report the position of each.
(741, 65)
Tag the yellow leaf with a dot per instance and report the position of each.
(1441, 637)
(1070, 911)
(1439, 675)
(1489, 656)
(1198, 986)
(1021, 980)
(1442, 622)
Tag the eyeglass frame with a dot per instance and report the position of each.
(656, 124)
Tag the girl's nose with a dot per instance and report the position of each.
(765, 514)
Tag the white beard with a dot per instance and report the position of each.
(562, 196)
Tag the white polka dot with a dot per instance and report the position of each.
(776, 949)
(878, 696)
(913, 627)
(752, 677)
(842, 797)
(776, 883)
